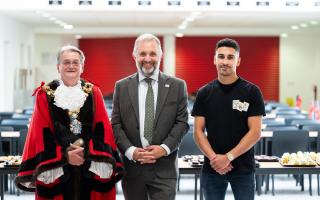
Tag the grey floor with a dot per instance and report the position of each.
(285, 189)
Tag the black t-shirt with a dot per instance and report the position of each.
(226, 109)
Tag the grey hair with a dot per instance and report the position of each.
(71, 48)
(146, 37)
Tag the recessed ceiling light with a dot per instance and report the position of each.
(68, 27)
(313, 22)
(179, 34)
(303, 25)
(284, 35)
(294, 27)
(182, 26)
(78, 37)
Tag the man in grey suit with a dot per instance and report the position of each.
(149, 120)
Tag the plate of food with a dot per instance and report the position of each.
(265, 158)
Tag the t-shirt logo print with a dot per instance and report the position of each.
(238, 105)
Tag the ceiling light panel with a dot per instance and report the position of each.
(167, 5)
(174, 3)
(55, 2)
(114, 3)
(85, 3)
(203, 3)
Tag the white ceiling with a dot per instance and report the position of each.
(95, 23)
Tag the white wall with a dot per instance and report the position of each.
(299, 67)
(16, 51)
(20, 48)
(46, 48)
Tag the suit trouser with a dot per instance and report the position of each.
(148, 186)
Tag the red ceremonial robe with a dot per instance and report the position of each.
(48, 137)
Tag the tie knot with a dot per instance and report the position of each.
(148, 80)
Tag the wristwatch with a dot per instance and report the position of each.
(230, 156)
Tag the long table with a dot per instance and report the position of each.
(6, 171)
(186, 168)
(263, 169)
(276, 168)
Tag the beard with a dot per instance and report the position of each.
(147, 72)
(225, 70)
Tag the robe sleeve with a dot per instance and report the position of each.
(102, 146)
(41, 152)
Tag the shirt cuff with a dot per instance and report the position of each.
(129, 152)
(102, 169)
(51, 175)
(166, 148)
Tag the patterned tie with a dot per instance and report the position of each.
(149, 112)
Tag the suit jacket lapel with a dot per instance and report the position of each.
(163, 88)
(133, 93)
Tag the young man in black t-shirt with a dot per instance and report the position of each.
(230, 109)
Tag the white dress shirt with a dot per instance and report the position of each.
(142, 93)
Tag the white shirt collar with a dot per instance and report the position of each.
(71, 98)
(155, 75)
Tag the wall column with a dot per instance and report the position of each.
(169, 57)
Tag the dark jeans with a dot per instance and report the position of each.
(215, 185)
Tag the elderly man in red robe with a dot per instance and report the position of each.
(70, 152)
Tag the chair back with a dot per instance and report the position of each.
(6, 128)
(273, 122)
(188, 145)
(281, 128)
(289, 141)
(17, 124)
(21, 116)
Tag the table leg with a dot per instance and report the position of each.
(201, 191)
(310, 184)
(195, 187)
(258, 180)
(318, 186)
(1, 186)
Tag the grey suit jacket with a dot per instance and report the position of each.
(171, 122)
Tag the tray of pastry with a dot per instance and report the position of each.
(194, 160)
(265, 158)
(10, 161)
(299, 159)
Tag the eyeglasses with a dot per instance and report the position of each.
(74, 63)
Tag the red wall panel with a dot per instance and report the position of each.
(259, 62)
(108, 60)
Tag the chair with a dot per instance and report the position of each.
(21, 116)
(17, 124)
(314, 144)
(188, 147)
(317, 128)
(273, 122)
(303, 122)
(4, 145)
(288, 109)
(289, 141)
(28, 110)
(289, 118)
(22, 140)
(5, 115)
(281, 128)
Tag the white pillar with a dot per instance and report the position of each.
(169, 57)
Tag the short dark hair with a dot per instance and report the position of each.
(227, 42)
